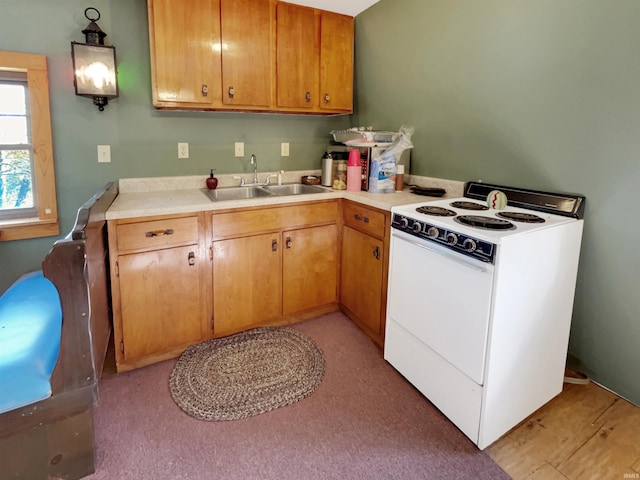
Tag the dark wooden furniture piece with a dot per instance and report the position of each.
(54, 438)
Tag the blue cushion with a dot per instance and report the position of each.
(30, 328)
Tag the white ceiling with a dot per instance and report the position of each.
(347, 7)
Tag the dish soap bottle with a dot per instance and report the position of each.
(212, 182)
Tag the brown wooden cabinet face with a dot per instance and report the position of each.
(160, 300)
(336, 62)
(309, 268)
(247, 282)
(246, 52)
(361, 277)
(297, 55)
(185, 51)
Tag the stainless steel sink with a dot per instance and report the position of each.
(236, 193)
(254, 191)
(293, 189)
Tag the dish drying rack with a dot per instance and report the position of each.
(363, 134)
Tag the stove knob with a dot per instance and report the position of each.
(404, 223)
(469, 245)
(452, 238)
(433, 232)
(416, 227)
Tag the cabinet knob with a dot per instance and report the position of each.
(361, 218)
(232, 92)
(376, 253)
(307, 97)
(205, 90)
(288, 242)
(274, 245)
(192, 258)
(327, 98)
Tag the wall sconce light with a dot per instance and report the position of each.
(94, 65)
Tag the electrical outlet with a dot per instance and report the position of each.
(183, 150)
(284, 149)
(104, 153)
(239, 149)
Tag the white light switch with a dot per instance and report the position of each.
(183, 150)
(284, 149)
(239, 149)
(104, 153)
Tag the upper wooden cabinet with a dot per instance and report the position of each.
(250, 55)
(246, 52)
(185, 53)
(297, 65)
(336, 62)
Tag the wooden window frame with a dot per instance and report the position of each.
(46, 223)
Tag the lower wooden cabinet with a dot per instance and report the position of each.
(158, 287)
(361, 278)
(309, 268)
(247, 282)
(261, 278)
(178, 280)
(364, 267)
(160, 298)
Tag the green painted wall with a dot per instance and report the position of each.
(541, 94)
(143, 141)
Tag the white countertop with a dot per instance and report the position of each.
(176, 195)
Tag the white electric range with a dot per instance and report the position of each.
(480, 301)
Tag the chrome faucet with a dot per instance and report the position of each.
(254, 162)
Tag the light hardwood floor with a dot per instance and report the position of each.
(584, 433)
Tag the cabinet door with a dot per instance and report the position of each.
(185, 51)
(246, 52)
(160, 301)
(361, 277)
(247, 285)
(336, 62)
(309, 268)
(296, 56)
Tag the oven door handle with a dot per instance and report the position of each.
(444, 254)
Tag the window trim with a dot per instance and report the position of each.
(46, 223)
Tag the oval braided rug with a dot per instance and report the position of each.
(246, 374)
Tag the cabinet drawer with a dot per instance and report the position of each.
(157, 233)
(233, 224)
(364, 219)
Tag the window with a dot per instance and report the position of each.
(27, 183)
(16, 159)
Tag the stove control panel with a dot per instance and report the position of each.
(458, 242)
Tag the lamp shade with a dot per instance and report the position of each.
(94, 69)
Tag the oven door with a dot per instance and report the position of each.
(443, 299)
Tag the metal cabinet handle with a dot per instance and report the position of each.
(192, 259)
(327, 98)
(307, 97)
(288, 242)
(157, 233)
(232, 92)
(376, 253)
(205, 90)
(357, 216)
(274, 245)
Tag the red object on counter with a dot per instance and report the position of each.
(354, 158)
(212, 182)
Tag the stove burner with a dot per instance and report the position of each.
(436, 211)
(489, 223)
(469, 205)
(521, 217)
